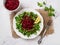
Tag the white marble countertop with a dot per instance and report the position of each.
(5, 30)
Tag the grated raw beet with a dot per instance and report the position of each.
(11, 4)
(27, 23)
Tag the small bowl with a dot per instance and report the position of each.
(11, 10)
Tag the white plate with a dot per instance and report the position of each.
(20, 34)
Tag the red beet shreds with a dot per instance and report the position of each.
(11, 4)
(27, 23)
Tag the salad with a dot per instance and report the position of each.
(28, 23)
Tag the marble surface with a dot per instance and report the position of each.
(5, 29)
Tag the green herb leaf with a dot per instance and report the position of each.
(46, 8)
(51, 14)
(44, 3)
(18, 25)
(40, 4)
(17, 19)
(52, 9)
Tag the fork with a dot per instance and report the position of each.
(46, 28)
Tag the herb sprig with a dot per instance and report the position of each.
(40, 4)
(50, 9)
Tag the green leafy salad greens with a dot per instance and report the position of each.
(36, 27)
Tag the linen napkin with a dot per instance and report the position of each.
(45, 17)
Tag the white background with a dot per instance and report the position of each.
(5, 30)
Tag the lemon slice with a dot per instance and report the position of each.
(37, 20)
